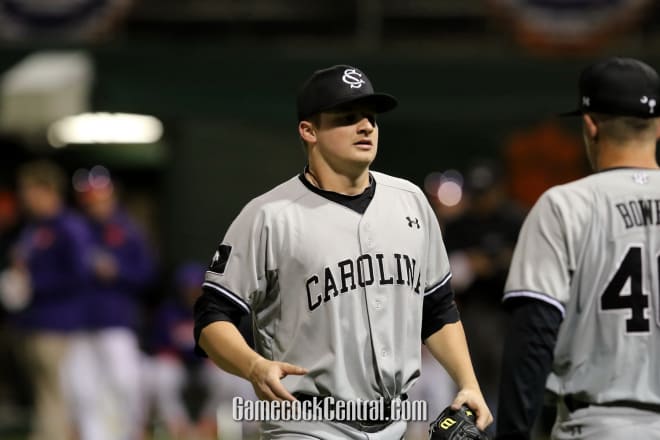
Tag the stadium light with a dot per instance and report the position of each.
(105, 128)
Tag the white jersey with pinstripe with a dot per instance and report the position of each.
(591, 248)
(335, 291)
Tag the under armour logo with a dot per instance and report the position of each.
(412, 222)
(586, 101)
(650, 102)
(353, 78)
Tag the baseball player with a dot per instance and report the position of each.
(583, 283)
(104, 374)
(51, 258)
(343, 271)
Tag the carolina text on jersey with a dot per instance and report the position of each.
(365, 277)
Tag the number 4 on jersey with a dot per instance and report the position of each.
(612, 299)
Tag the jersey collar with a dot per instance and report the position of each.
(358, 203)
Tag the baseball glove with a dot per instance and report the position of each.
(456, 425)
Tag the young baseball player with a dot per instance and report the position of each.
(343, 271)
(583, 283)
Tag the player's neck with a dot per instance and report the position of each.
(634, 156)
(327, 179)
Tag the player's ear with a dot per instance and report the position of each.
(590, 126)
(306, 131)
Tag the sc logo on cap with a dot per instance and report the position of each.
(353, 78)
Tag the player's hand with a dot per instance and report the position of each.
(15, 288)
(473, 398)
(265, 377)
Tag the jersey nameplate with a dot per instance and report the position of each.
(640, 212)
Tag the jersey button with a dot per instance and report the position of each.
(378, 305)
(384, 353)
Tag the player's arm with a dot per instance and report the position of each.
(217, 336)
(228, 349)
(536, 290)
(442, 331)
(449, 346)
(526, 363)
(235, 283)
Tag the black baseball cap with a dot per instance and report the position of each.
(339, 85)
(619, 86)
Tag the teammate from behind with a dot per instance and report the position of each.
(343, 271)
(583, 283)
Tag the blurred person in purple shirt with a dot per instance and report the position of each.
(44, 288)
(106, 360)
(174, 365)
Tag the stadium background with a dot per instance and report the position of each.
(474, 79)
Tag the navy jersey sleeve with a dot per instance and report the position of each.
(526, 363)
(439, 309)
(211, 307)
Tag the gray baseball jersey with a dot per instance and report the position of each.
(334, 291)
(591, 248)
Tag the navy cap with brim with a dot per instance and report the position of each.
(615, 107)
(378, 102)
(620, 87)
(338, 87)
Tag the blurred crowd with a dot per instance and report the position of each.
(88, 354)
(83, 354)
